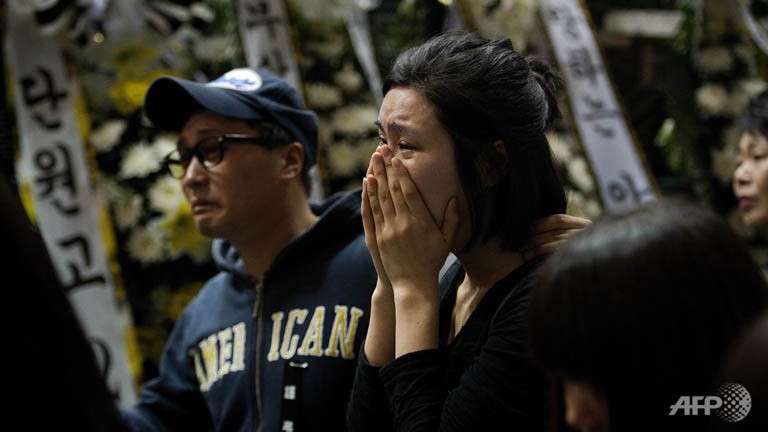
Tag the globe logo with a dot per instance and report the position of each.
(736, 402)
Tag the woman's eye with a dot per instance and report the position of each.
(404, 146)
(380, 141)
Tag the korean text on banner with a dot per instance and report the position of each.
(615, 158)
(53, 164)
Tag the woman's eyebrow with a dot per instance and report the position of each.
(397, 127)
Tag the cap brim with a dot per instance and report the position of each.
(170, 101)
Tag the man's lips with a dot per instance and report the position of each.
(201, 205)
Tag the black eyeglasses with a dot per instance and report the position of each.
(208, 151)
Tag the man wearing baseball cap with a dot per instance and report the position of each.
(270, 342)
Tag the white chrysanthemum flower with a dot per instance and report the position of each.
(164, 143)
(145, 245)
(592, 209)
(330, 50)
(751, 86)
(355, 119)
(561, 147)
(715, 59)
(139, 161)
(578, 172)
(509, 18)
(348, 78)
(323, 96)
(166, 195)
(107, 135)
(581, 206)
(127, 209)
(711, 99)
(342, 159)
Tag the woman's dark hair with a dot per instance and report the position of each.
(644, 305)
(754, 119)
(484, 91)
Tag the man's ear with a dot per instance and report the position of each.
(293, 159)
(493, 165)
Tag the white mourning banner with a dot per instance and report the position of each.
(266, 35)
(52, 163)
(615, 157)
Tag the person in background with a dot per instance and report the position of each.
(270, 342)
(750, 179)
(54, 381)
(463, 167)
(747, 366)
(640, 309)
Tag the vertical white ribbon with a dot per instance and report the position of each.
(267, 43)
(359, 29)
(53, 164)
(266, 35)
(454, 17)
(759, 35)
(615, 158)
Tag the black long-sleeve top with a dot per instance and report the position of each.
(483, 379)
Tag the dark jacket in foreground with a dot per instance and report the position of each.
(239, 348)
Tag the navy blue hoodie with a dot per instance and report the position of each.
(276, 356)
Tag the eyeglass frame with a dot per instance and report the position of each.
(169, 161)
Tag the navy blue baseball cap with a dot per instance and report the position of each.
(242, 93)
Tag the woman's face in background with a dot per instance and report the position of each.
(750, 180)
(586, 409)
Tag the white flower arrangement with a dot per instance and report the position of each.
(215, 48)
(715, 59)
(355, 120)
(751, 86)
(561, 148)
(342, 159)
(506, 18)
(327, 10)
(127, 209)
(163, 144)
(580, 205)
(107, 135)
(329, 50)
(139, 161)
(348, 79)
(711, 99)
(323, 96)
(166, 195)
(145, 245)
(580, 175)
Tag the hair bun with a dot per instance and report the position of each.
(549, 80)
